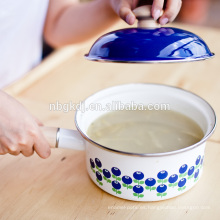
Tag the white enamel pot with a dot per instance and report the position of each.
(139, 177)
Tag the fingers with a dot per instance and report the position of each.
(157, 8)
(20, 131)
(27, 152)
(172, 8)
(124, 9)
(26, 147)
(41, 145)
(26, 144)
(6, 146)
(126, 14)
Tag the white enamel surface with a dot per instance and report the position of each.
(71, 139)
(180, 101)
(149, 166)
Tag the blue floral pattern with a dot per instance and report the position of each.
(138, 190)
(183, 170)
(161, 190)
(162, 175)
(196, 176)
(106, 176)
(158, 184)
(190, 172)
(181, 184)
(116, 186)
(150, 184)
(138, 176)
(173, 180)
(99, 178)
(127, 182)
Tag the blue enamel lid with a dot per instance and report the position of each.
(149, 45)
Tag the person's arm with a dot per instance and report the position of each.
(69, 21)
(19, 130)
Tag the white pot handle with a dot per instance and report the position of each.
(63, 138)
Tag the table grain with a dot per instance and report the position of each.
(59, 187)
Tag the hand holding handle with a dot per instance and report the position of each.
(145, 20)
(63, 138)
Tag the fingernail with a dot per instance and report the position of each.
(156, 14)
(130, 19)
(163, 21)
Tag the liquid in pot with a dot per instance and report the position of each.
(145, 131)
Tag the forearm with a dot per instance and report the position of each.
(77, 22)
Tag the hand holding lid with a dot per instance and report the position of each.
(149, 43)
(145, 20)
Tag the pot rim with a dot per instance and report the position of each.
(202, 141)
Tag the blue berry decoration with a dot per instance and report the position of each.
(172, 180)
(198, 159)
(137, 177)
(190, 172)
(116, 173)
(98, 162)
(107, 175)
(127, 181)
(183, 170)
(99, 178)
(196, 175)
(92, 165)
(161, 189)
(181, 184)
(162, 176)
(201, 163)
(138, 190)
(116, 186)
(150, 182)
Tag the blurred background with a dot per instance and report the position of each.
(200, 12)
(197, 12)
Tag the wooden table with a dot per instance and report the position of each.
(59, 187)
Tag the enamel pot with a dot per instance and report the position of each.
(149, 43)
(133, 176)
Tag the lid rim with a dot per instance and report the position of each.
(177, 60)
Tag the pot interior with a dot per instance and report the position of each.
(162, 96)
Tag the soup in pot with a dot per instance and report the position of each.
(145, 131)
